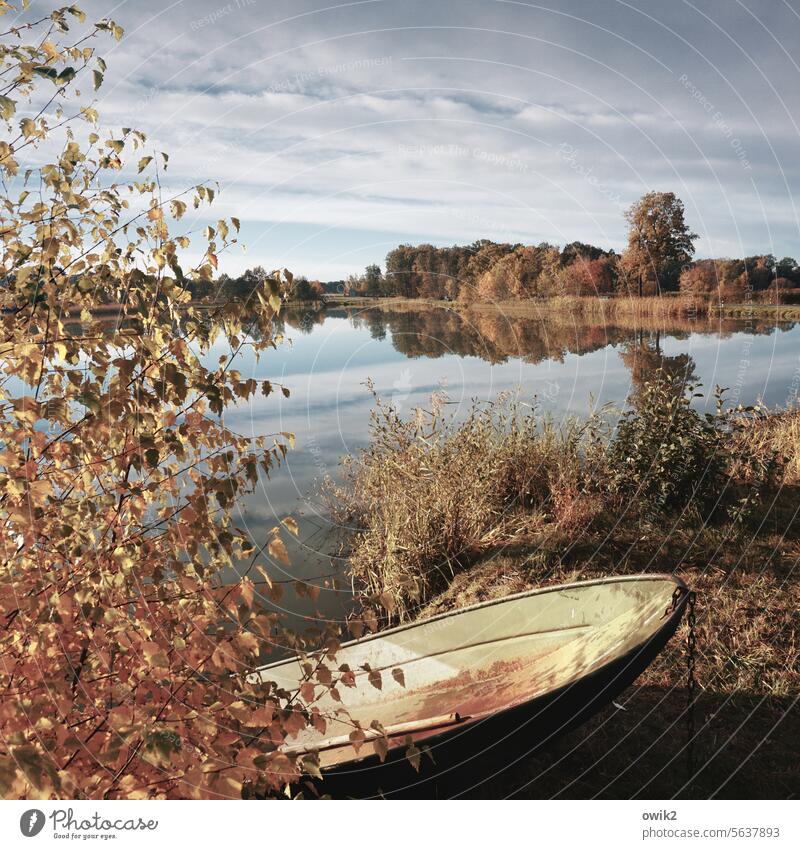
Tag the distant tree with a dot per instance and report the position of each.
(354, 285)
(242, 288)
(580, 250)
(514, 275)
(373, 280)
(725, 278)
(496, 284)
(548, 270)
(759, 272)
(302, 290)
(660, 244)
(588, 277)
(701, 278)
(484, 254)
(400, 271)
(788, 268)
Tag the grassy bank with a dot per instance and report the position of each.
(614, 310)
(452, 513)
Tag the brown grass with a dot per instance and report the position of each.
(778, 433)
(476, 542)
(748, 672)
(429, 496)
(612, 310)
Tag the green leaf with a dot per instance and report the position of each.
(66, 76)
(98, 79)
(44, 71)
(7, 107)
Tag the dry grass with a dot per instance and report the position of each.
(609, 308)
(778, 433)
(447, 519)
(612, 310)
(748, 668)
(429, 496)
(595, 308)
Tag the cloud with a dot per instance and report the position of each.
(337, 131)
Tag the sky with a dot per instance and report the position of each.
(340, 130)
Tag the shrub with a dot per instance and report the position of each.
(670, 458)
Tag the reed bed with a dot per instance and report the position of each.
(434, 494)
(667, 306)
(675, 306)
(430, 495)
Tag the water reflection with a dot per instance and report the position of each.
(410, 353)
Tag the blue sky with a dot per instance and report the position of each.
(338, 131)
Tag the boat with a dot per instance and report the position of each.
(446, 702)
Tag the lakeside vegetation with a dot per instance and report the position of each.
(586, 307)
(505, 501)
(506, 476)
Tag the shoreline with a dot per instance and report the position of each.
(591, 308)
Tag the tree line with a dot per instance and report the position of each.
(658, 259)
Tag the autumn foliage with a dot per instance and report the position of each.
(125, 658)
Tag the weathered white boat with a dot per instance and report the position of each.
(488, 683)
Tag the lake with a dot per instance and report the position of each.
(558, 362)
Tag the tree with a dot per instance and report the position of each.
(373, 280)
(126, 646)
(660, 243)
(701, 278)
(759, 272)
(788, 268)
(580, 250)
(400, 272)
(306, 290)
(587, 277)
(245, 287)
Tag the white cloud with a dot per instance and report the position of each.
(344, 130)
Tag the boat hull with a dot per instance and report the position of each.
(470, 757)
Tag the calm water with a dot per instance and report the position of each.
(329, 357)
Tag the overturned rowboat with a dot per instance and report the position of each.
(483, 687)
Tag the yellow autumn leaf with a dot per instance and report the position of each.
(277, 549)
